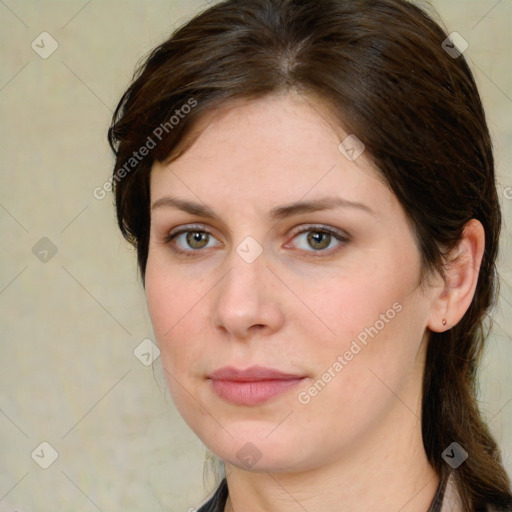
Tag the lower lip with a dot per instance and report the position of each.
(252, 393)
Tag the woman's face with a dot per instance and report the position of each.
(328, 294)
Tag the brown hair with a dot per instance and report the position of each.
(381, 67)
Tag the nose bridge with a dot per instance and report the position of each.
(243, 298)
(244, 284)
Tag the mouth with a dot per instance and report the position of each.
(252, 386)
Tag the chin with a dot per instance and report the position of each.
(250, 449)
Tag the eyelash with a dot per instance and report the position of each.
(342, 238)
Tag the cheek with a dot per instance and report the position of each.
(352, 300)
(171, 303)
(374, 315)
(174, 304)
(379, 324)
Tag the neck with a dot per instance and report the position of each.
(388, 470)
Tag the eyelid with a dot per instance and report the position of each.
(188, 227)
(320, 227)
(300, 229)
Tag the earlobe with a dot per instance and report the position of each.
(461, 277)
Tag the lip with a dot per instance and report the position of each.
(251, 374)
(253, 385)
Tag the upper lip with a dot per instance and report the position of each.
(251, 374)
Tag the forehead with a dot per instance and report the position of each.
(277, 149)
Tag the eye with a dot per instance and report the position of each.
(320, 238)
(192, 239)
(189, 240)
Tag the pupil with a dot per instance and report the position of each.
(316, 238)
(195, 238)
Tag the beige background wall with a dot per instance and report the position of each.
(68, 375)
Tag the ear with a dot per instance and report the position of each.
(454, 297)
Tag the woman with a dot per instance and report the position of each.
(311, 192)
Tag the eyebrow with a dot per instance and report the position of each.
(277, 213)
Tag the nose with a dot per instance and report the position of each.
(246, 301)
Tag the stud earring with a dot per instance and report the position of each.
(444, 321)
